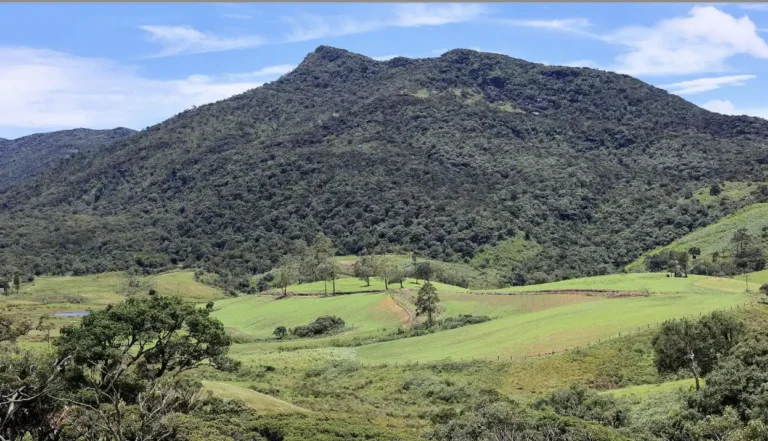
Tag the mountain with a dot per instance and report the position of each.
(24, 158)
(445, 156)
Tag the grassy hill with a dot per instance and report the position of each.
(546, 330)
(642, 282)
(717, 237)
(447, 157)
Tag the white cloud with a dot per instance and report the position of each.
(700, 42)
(583, 63)
(44, 89)
(755, 6)
(238, 16)
(311, 27)
(269, 71)
(706, 84)
(578, 25)
(178, 40)
(726, 107)
(385, 57)
(413, 15)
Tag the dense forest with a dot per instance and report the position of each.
(444, 157)
(24, 158)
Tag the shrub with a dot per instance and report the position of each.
(322, 325)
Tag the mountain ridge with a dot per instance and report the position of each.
(26, 157)
(442, 156)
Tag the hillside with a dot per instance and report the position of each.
(24, 158)
(445, 157)
(715, 239)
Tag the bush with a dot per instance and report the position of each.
(322, 325)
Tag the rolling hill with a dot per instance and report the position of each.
(446, 157)
(716, 238)
(24, 158)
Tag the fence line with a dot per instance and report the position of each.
(541, 355)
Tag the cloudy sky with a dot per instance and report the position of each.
(133, 65)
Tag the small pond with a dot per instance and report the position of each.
(72, 314)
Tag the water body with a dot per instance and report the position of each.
(72, 314)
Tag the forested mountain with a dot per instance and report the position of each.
(442, 156)
(23, 158)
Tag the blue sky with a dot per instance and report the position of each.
(134, 65)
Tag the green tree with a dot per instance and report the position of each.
(695, 345)
(17, 282)
(127, 359)
(397, 275)
(364, 269)
(695, 252)
(286, 274)
(426, 301)
(424, 271)
(280, 332)
(714, 189)
(682, 261)
(741, 239)
(764, 289)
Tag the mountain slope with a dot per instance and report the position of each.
(716, 238)
(24, 158)
(442, 156)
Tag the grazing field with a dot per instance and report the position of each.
(641, 282)
(547, 330)
(255, 400)
(716, 237)
(645, 389)
(758, 278)
(260, 315)
(54, 295)
(353, 285)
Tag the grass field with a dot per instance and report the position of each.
(646, 389)
(734, 190)
(652, 282)
(255, 400)
(353, 284)
(258, 316)
(757, 278)
(716, 237)
(553, 329)
(50, 295)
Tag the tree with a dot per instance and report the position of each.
(714, 189)
(16, 282)
(364, 270)
(764, 289)
(29, 384)
(426, 301)
(695, 252)
(385, 269)
(280, 332)
(424, 271)
(127, 358)
(286, 274)
(682, 260)
(12, 327)
(741, 239)
(694, 345)
(45, 325)
(397, 275)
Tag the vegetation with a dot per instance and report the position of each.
(229, 186)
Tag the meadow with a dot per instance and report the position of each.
(717, 236)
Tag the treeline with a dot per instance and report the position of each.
(746, 254)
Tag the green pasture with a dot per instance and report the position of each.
(646, 389)
(260, 402)
(260, 315)
(353, 284)
(716, 237)
(758, 278)
(641, 282)
(547, 330)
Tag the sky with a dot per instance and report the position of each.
(106, 65)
